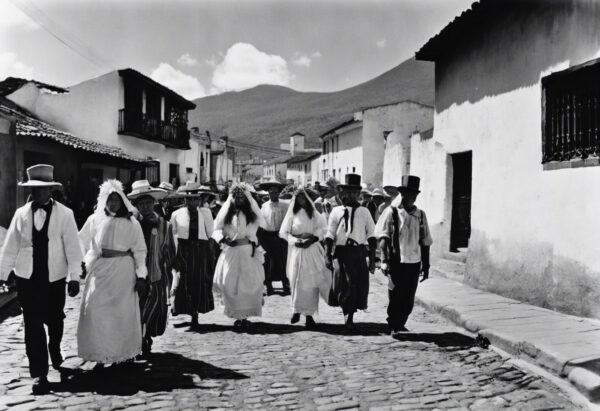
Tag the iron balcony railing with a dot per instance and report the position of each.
(141, 125)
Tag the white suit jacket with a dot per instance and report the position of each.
(64, 251)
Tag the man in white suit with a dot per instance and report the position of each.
(42, 248)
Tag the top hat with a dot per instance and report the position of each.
(166, 186)
(142, 188)
(352, 182)
(40, 175)
(267, 185)
(410, 184)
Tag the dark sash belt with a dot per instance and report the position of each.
(108, 253)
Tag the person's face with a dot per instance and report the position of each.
(274, 194)
(377, 200)
(145, 205)
(40, 194)
(114, 203)
(349, 196)
(366, 198)
(239, 199)
(408, 199)
(301, 200)
(192, 202)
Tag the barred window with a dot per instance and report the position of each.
(571, 113)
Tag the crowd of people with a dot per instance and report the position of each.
(143, 255)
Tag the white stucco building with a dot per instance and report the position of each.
(195, 162)
(125, 109)
(511, 171)
(342, 151)
(299, 168)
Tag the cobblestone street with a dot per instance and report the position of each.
(279, 366)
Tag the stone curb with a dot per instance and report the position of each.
(586, 381)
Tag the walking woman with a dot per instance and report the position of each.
(159, 261)
(303, 228)
(193, 227)
(239, 274)
(109, 328)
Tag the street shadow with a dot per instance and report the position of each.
(364, 329)
(162, 372)
(444, 340)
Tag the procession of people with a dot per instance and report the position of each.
(143, 260)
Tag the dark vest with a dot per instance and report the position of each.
(40, 251)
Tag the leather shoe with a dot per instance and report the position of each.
(40, 386)
(310, 323)
(295, 318)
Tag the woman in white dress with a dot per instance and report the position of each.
(303, 228)
(239, 273)
(109, 328)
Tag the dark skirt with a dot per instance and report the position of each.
(276, 250)
(196, 268)
(154, 309)
(350, 279)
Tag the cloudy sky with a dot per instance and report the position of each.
(205, 47)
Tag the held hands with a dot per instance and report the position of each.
(73, 288)
(372, 265)
(141, 287)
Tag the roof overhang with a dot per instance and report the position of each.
(134, 74)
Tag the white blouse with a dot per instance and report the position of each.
(180, 221)
(114, 233)
(301, 224)
(237, 229)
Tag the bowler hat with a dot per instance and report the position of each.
(410, 184)
(352, 182)
(40, 175)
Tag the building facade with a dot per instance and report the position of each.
(511, 171)
(342, 151)
(299, 168)
(222, 161)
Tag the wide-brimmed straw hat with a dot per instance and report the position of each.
(166, 186)
(40, 175)
(378, 192)
(142, 188)
(352, 182)
(267, 185)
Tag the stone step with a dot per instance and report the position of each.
(460, 256)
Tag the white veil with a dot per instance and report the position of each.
(220, 219)
(286, 225)
(106, 189)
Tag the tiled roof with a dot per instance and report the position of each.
(28, 125)
(462, 27)
(340, 125)
(11, 84)
(278, 160)
(303, 157)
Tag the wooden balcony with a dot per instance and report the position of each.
(139, 125)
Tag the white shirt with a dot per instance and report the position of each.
(39, 218)
(413, 232)
(363, 227)
(64, 252)
(180, 221)
(274, 213)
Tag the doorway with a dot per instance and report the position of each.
(460, 229)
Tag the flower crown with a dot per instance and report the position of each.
(240, 188)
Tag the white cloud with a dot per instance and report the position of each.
(184, 84)
(381, 43)
(11, 16)
(11, 67)
(303, 61)
(244, 66)
(187, 60)
(212, 62)
(316, 54)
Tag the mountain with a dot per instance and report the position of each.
(267, 115)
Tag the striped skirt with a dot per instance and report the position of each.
(154, 307)
(196, 265)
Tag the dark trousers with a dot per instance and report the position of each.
(402, 298)
(42, 303)
(351, 278)
(276, 257)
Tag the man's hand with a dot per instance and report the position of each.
(329, 262)
(372, 265)
(73, 288)
(141, 287)
(385, 268)
(425, 273)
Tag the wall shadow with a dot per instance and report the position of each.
(162, 372)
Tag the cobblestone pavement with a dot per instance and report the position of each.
(280, 366)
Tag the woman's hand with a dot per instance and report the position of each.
(141, 287)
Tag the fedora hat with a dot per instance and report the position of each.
(267, 185)
(352, 182)
(141, 188)
(40, 175)
(166, 186)
(410, 184)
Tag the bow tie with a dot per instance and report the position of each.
(37, 206)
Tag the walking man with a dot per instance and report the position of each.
(404, 239)
(350, 228)
(274, 212)
(42, 248)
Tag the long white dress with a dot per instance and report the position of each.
(109, 329)
(306, 266)
(239, 276)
